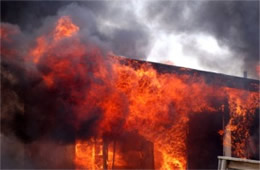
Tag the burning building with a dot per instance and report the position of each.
(109, 112)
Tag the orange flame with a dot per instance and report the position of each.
(65, 28)
(39, 49)
(159, 103)
(156, 105)
(242, 105)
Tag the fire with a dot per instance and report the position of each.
(126, 96)
(65, 28)
(39, 49)
(242, 106)
(90, 155)
(85, 154)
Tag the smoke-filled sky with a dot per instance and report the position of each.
(218, 36)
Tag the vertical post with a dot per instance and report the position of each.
(114, 152)
(153, 166)
(226, 138)
(105, 153)
(93, 153)
(219, 164)
(223, 128)
(245, 74)
(228, 144)
(223, 164)
(186, 143)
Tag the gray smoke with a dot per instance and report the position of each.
(115, 26)
(234, 24)
(107, 24)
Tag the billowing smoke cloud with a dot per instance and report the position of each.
(130, 29)
(235, 24)
(103, 23)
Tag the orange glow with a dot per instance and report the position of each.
(48, 79)
(7, 37)
(65, 28)
(89, 154)
(85, 153)
(7, 31)
(38, 51)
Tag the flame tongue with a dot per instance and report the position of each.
(65, 28)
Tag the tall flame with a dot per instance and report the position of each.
(242, 105)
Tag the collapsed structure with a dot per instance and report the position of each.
(118, 113)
